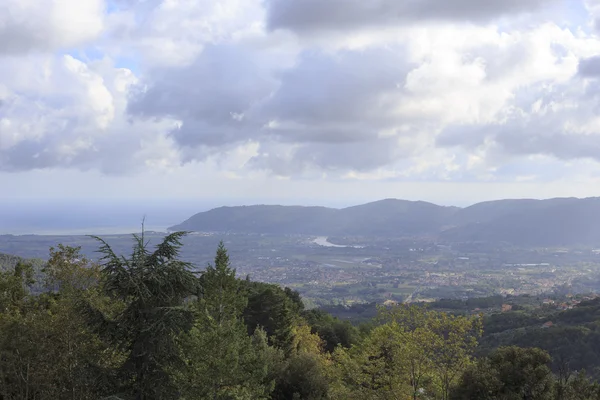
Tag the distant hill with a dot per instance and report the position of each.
(561, 221)
(554, 222)
(381, 218)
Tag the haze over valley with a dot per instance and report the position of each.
(385, 250)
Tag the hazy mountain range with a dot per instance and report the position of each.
(561, 221)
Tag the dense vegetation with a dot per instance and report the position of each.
(148, 327)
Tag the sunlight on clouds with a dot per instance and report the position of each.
(231, 90)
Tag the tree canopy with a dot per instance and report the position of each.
(148, 326)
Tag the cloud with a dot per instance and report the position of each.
(333, 105)
(59, 112)
(590, 67)
(212, 99)
(428, 90)
(49, 25)
(559, 121)
(316, 158)
(315, 15)
(364, 109)
(174, 32)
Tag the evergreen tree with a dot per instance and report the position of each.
(153, 287)
(274, 310)
(223, 361)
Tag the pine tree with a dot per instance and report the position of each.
(223, 361)
(221, 298)
(153, 286)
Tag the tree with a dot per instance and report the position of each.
(454, 341)
(153, 287)
(524, 373)
(375, 369)
(437, 346)
(15, 286)
(578, 387)
(274, 309)
(480, 381)
(510, 373)
(45, 349)
(333, 331)
(303, 375)
(223, 362)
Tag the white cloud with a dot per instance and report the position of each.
(495, 92)
(48, 25)
(174, 32)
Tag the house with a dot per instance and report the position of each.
(506, 307)
(547, 325)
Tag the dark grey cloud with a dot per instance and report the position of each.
(224, 80)
(332, 105)
(522, 138)
(590, 67)
(345, 88)
(112, 154)
(16, 38)
(212, 97)
(314, 15)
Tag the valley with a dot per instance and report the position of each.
(351, 270)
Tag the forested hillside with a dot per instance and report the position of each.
(8, 261)
(553, 222)
(147, 327)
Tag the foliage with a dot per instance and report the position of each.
(223, 362)
(147, 327)
(303, 375)
(46, 351)
(153, 286)
(509, 373)
(333, 331)
(273, 309)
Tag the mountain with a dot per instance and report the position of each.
(560, 221)
(554, 222)
(393, 217)
(382, 218)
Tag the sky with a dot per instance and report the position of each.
(331, 102)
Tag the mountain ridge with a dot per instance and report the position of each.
(555, 221)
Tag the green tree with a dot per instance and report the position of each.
(15, 287)
(375, 369)
(274, 309)
(303, 374)
(46, 351)
(454, 341)
(437, 346)
(82, 364)
(510, 373)
(578, 387)
(480, 381)
(153, 287)
(223, 362)
(333, 331)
